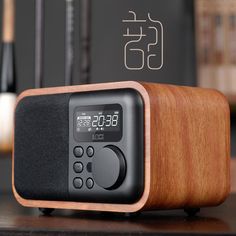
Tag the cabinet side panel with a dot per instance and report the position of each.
(190, 147)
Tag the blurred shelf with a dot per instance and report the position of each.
(232, 99)
(5, 155)
(233, 175)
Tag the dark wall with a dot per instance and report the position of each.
(106, 41)
(53, 62)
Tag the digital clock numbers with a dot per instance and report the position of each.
(89, 121)
(97, 121)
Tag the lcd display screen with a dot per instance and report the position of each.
(98, 123)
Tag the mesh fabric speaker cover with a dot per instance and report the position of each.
(41, 147)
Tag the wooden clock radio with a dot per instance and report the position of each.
(121, 147)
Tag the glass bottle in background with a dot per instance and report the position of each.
(7, 78)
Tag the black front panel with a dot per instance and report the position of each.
(80, 147)
(41, 147)
(106, 146)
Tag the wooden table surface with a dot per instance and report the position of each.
(17, 220)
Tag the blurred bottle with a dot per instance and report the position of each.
(7, 77)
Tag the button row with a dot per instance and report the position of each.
(79, 167)
(78, 183)
(79, 151)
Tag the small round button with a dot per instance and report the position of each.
(89, 183)
(90, 151)
(78, 151)
(78, 182)
(78, 167)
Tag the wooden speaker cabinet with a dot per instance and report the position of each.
(121, 147)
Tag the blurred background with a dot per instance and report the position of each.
(63, 42)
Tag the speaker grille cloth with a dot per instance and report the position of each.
(41, 147)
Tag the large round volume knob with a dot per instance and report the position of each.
(109, 167)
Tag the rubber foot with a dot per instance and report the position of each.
(191, 211)
(46, 211)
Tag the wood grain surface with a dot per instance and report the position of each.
(190, 147)
(186, 148)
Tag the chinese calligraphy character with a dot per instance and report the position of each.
(145, 45)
